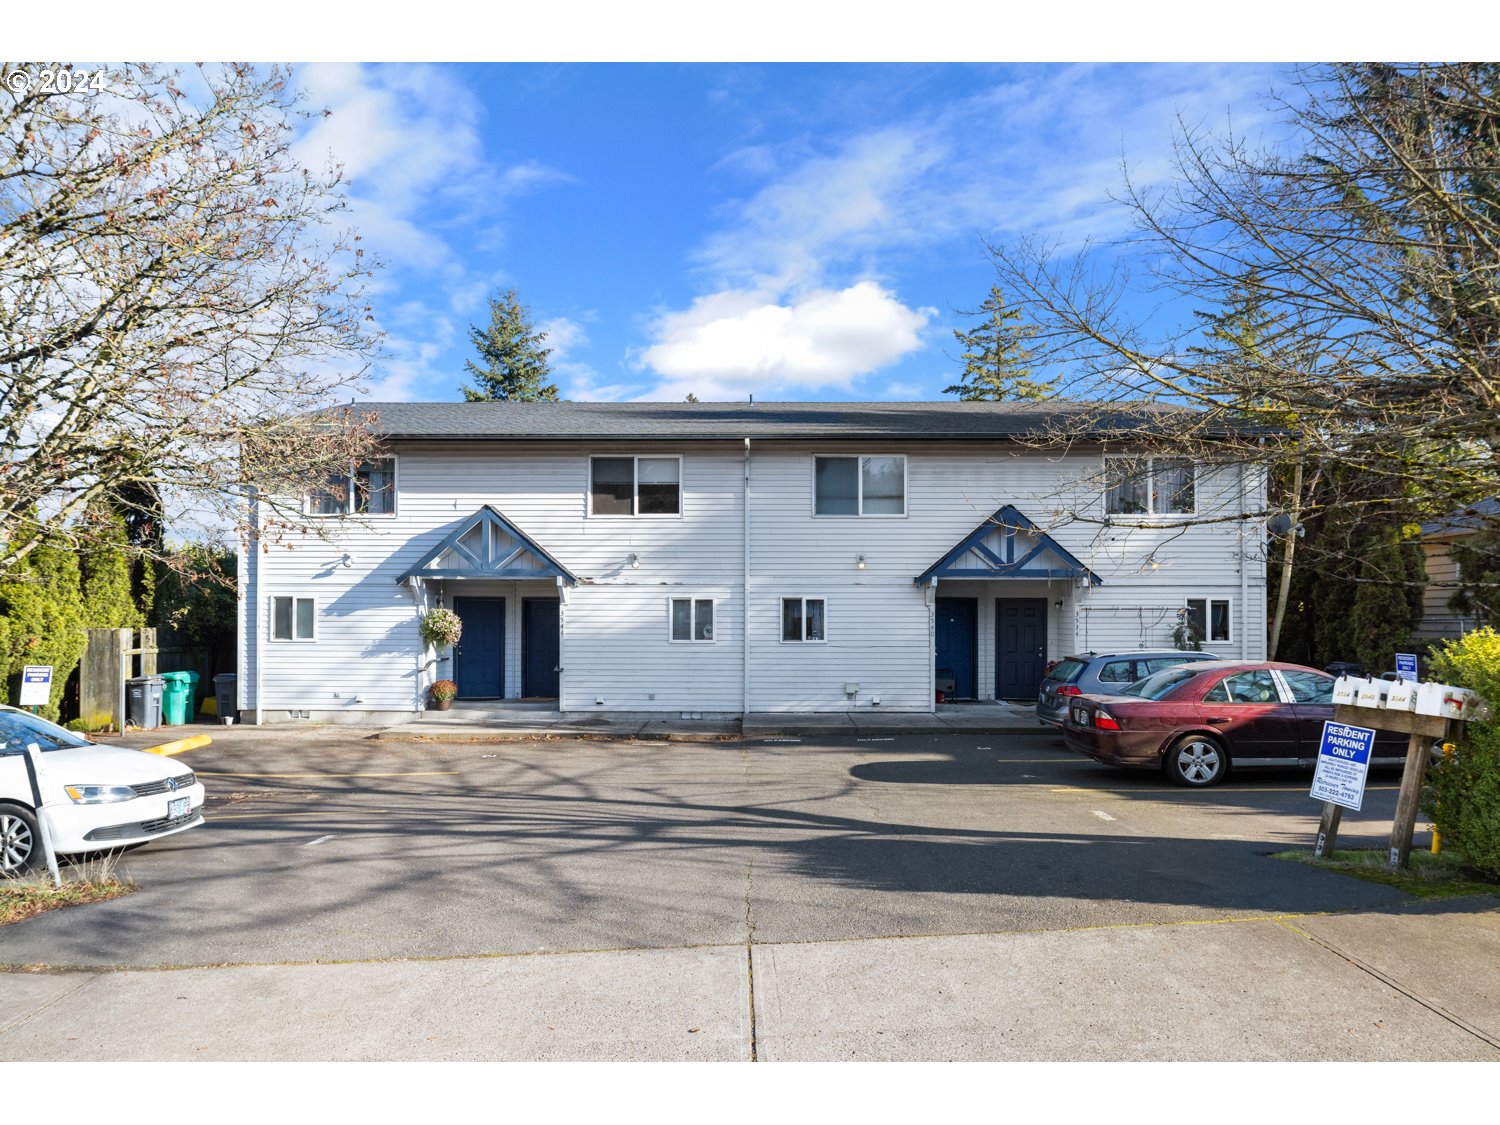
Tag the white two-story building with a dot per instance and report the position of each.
(716, 559)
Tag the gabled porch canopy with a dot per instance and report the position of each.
(1008, 545)
(487, 545)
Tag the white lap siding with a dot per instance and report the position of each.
(617, 647)
(616, 643)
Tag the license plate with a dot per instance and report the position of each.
(179, 807)
(1080, 716)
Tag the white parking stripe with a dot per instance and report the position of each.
(1103, 815)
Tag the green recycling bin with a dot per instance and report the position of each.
(177, 697)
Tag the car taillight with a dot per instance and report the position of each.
(1105, 721)
(1068, 689)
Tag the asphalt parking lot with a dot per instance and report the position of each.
(768, 879)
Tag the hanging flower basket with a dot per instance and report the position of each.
(441, 627)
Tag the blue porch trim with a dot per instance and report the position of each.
(1008, 520)
(492, 521)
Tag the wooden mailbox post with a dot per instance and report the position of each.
(1422, 729)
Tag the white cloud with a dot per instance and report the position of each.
(732, 343)
(791, 303)
(409, 142)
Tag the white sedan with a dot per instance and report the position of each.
(97, 798)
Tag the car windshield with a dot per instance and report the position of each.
(1155, 687)
(18, 730)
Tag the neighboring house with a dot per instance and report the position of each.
(714, 558)
(1438, 621)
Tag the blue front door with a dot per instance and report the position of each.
(956, 646)
(479, 656)
(1020, 647)
(539, 647)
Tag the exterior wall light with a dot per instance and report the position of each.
(635, 562)
(859, 561)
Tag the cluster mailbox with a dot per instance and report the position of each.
(1438, 700)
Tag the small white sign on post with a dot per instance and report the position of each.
(1406, 667)
(1343, 762)
(36, 685)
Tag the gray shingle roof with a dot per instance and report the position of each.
(1475, 517)
(460, 421)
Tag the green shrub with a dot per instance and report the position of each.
(1463, 797)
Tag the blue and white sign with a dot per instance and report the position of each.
(36, 685)
(1343, 761)
(1406, 667)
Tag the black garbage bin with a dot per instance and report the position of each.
(225, 684)
(143, 696)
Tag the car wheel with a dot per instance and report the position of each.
(20, 843)
(1197, 761)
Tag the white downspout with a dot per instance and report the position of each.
(255, 565)
(1244, 572)
(745, 593)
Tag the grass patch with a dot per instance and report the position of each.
(88, 880)
(1429, 876)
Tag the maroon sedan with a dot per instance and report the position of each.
(1196, 719)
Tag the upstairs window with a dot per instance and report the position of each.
(635, 486)
(692, 619)
(369, 489)
(1150, 486)
(859, 486)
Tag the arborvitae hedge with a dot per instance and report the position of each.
(1463, 794)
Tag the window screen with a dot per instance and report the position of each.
(375, 487)
(658, 490)
(612, 487)
(1129, 489)
(884, 486)
(836, 486)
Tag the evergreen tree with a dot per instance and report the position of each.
(105, 572)
(513, 363)
(42, 618)
(1387, 599)
(1478, 559)
(997, 362)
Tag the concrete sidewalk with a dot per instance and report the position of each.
(528, 721)
(1403, 984)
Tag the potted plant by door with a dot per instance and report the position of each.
(442, 693)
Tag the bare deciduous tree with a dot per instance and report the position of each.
(177, 297)
(1370, 250)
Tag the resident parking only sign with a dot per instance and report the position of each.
(36, 685)
(1343, 761)
(1406, 666)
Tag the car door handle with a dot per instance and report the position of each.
(1217, 720)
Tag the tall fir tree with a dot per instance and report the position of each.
(105, 572)
(997, 362)
(513, 361)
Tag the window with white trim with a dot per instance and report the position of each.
(293, 619)
(691, 620)
(803, 620)
(635, 486)
(1150, 486)
(859, 486)
(368, 489)
(1209, 618)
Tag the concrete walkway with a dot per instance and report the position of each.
(1403, 984)
(540, 721)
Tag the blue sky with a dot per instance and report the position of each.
(792, 231)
